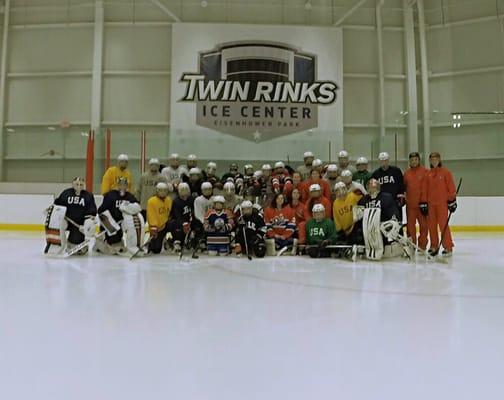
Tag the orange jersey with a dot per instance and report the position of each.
(299, 212)
(438, 187)
(280, 222)
(324, 185)
(413, 180)
(321, 200)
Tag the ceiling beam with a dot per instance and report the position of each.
(166, 10)
(349, 12)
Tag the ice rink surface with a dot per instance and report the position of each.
(100, 328)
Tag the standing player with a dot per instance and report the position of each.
(174, 172)
(438, 197)
(211, 175)
(79, 212)
(158, 213)
(281, 181)
(331, 177)
(317, 198)
(413, 181)
(203, 203)
(390, 178)
(113, 174)
(320, 233)
(346, 177)
(362, 175)
(195, 181)
(316, 178)
(306, 168)
(344, 162)
(147, 186)
(250, 231)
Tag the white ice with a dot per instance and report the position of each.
(100, 328)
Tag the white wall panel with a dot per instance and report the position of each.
(50, 50)
(136, 99)
(360, 103)
(137, 48)
(360, 51)
(49, 99)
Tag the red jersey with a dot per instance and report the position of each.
(438, 187)
(324, 185)
(281, 183)
(413, 181)
(321, 200)
(280, 222)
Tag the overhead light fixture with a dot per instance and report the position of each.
(51, 128)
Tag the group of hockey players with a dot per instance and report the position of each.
(319, 209)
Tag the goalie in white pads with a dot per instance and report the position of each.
(73, 211)
(121, 208)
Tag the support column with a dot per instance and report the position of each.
(3, 82)
(412, 101)
(96, 88)
(425, 82)
(381, 76)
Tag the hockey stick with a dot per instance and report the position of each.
(141, 248)
(245, 235)
(443, 233)
(85, 243)
(184, 244)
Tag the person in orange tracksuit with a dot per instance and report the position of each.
(299, 209)
(437, 198)
(413, 180)
(316, 197)
(315, 178)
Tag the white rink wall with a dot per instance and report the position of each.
(27, 209)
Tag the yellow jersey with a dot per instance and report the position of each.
(343, 212)
(109, 181)
(158, 211)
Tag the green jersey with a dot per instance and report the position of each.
(316, 232)
(362, 177)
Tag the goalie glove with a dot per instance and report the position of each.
(424, 209)
(452, 206)
(130, 208)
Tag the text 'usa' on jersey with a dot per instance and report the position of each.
(385, 202)
(391, 180)
(78, 206)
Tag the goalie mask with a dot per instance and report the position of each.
(318, 212)
(122, 185)
(78, 185)
(374, 188)
(162, 190)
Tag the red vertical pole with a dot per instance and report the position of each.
(143, 151)
(108, 139)
(90, 162)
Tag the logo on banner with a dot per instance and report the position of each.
(257, 90)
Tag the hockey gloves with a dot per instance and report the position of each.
(424, 209)
(452, 206)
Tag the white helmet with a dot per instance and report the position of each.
(258, 174)
(279, 164)
(346, 173)
(173, 156)
(218, 199)
(340, 189)
(308, 154)
(182, 186)
(192, 157)
(246, 204)
(229, 187)
(332, 168)
(383, 156)
(316, 163)
(361, 161)
(266, 167)
(195, 171)
(343, 154)
(206, 185)
(315, 187)
(154, 161)
(248, 166)
(211, 164)
(122, 157)
(162, 187)
(318, 208)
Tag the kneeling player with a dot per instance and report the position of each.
(320, 233)
(346, 230)
(158, 212)
(218, 226)
(120, 213)
(250, 231)
(73, 211)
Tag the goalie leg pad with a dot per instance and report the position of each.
(373, 239)
(56, 225)
(133, 228)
